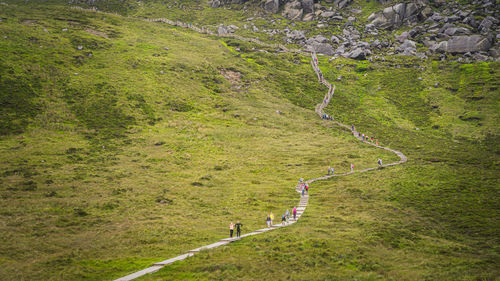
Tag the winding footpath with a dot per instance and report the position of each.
(319, 110)
(303, 199)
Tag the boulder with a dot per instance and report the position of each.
(357, 54)
(307, 6)
(272, 6)
(335, 39)
(296, 35)
(321, 48)
(464, 44)
(486, 24)
(308, 17)
(408, 48)
(293, 10)
(215, 4)
(401, 38)
(341, 3)
(317, 39)
(327, 14)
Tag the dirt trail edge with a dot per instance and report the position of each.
(303, 199)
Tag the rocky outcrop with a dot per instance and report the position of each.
(299, 10)
(463, 44)
(395, 16)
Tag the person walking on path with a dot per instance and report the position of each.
(268, 221)
(329, 170)
(352, 167)
(332, 171)
(379, 162)
(231, 229)
(271, 215)
(307, 188)
(294, 211)
(363, 136)
(303, 190)
(287, 214)
(283, 219)
(352, 128)
(239, 225)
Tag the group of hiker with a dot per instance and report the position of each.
(364, 137)
(302, 187)
(238, 226)
(285, 218)
(326, 117)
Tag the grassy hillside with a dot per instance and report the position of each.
(437, 217)
(125, 142)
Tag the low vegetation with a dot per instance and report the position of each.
(125, 142)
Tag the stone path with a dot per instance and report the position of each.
(303, 199)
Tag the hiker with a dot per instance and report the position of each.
(376, 141)
(271, 215)
(307, 188)
(231, 229)
(294, 212)
(283, 219)
(352, 128)
(332, 171)
(268, 221)
(329, 170)
(371, 139)
(303, 189)
(379, 162)
(287, 214)
(363, 136)
(239, 225)
(352, 167)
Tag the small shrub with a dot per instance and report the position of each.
(80, 212)
(29, 186)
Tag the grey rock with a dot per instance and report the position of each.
(293, 10)
(341, 3)
(321, 48)
(408, 48)
(317, 39)
(327, 14)
(308, 6)
(351, 19)
(485, 25)
(308, 17)
(296, 35)
(215, 3)
(494, 53)
(401, 38)
(357, 54)
(335, 39)
(272, 6)
(395, 16)
(464, 44)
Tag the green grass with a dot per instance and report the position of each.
(126, 153)
(138, 148)
(434, 218)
